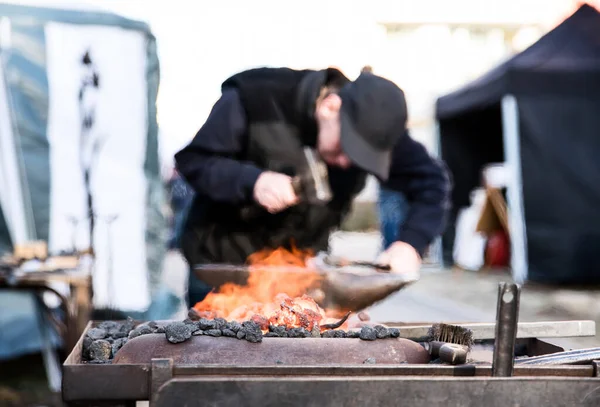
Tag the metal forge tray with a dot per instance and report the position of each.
(166, 383)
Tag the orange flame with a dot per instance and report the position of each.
(271, 297)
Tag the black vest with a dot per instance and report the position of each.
(279, 104)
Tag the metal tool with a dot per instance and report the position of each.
(507, 317)
(350, 289)
(340, 262)
(311, 185)
(571, 357)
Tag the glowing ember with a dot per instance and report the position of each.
(271, 297)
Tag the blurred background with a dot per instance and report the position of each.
(131, 81)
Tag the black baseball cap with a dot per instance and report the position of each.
(373, 117)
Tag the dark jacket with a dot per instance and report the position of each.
(262, 120)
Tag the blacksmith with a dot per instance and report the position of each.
(251, 146)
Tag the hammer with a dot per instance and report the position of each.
(311, 185)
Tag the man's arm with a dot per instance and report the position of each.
(426, 183)
(208, 163)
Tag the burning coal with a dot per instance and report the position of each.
(272, 298)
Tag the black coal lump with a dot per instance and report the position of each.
(100, 350)
(353, 334)
(96, 333)
(234, 326)
(280, 330)
(109, 326)
(315, 332)
(241, 334)
(382, 332)
(220, 323)
(199, 332)
(153, 325)
(140, 330)
(340, 333)
(128, 325)
(253, 332)
(213, 332)
(298, 333)
(188, 321)
(328, 334)
(394, 332)
(228, 333)
(206, 324)
(160, 330)
(87, 342)
(271, 335)
(118, 344)
(368, 334)
(177, 332)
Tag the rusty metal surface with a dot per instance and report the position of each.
(380, 391)
(105, 382)
(382, 370)
(347, 288)
(287, 351)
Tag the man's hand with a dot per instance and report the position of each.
(274, 191)
(402, 258)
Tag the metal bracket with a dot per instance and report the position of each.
(161, 373)
(596, 364)
(507, 319)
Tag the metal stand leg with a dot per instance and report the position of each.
(50, 356)
(507, 319)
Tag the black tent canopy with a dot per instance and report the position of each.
(539, 112)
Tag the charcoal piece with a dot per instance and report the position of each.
(206, 324)
(353, 334)
(241, 334)
(100, 350)
(339, 333)
(85, 351)
(140, 330)
(118, 344)
(160, 330)
(220, 323)
(96, 333)
(298, 333)
(213, 332)
(368, 334)
(199, 332)
(271, 335)
(194, 326)
(278, 362)
(177, 332)
(234, 326)
(228, 333)
(188, 321)
(394, 332)
(109, 340)
(382, 332)
(109, 325)
(153, 325)
(253, 332)
(315, 332)
(280, 330)
(119, 334)
(330, 333)
(128, 325)
(193, 314)
(370, 361)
